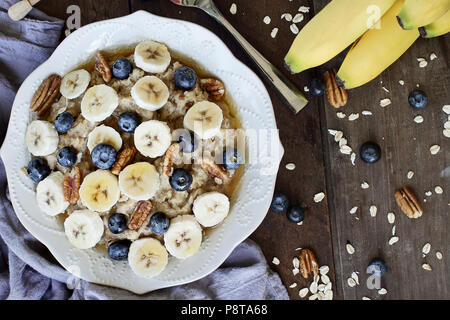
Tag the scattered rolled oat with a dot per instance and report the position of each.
(402, 83)
(393, 240)
(298, 18)
(342, 142)
(447, 125)
(353, 210)
(391, 217)
(382, 291)
(438, 190)
(410, 174)
(290, 166)
(365, 298)
(427, 267)
(364, 185)
(286, 16)
(353, 158)
(303, 9)
(274, 32)
(446, 133)
(313, 287)
(393, 230)
(345, 149)
(428, 193)
(303, 292)
(341, 115)
(293, 285)
(353, 116)
(295, 271)
(350, 248)
(306, 89)
(294, 29)
(333, 132)
(267, 20)
(296, 263)
(385, 102)
(355, 277)
(423, 64)
(319, 197)
(418, 119)
(426, 248)
(313, 297)
(439, 255)
(373, 211)
(275, 261)
(325, 279)
(435, 149)
(233, 8)
(366, 113)
(446, 108)
(338, 136)
(433, 56)
(351, 282)
(324, 270)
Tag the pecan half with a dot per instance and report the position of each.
(45, 95)
(215, 171)
(214, 87)
(139, 215)
(337, 96)
(124, 158)
(71, 187)
(102, 66)
(308, 263)
(408, 203)
(169, 158)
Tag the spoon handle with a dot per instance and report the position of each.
(19, 10)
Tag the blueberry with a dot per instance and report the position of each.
(418, 99)
(317, 87)
(38, 169)
(377, 267)
(185, 78)
(119, 250)
(128, 121)
(64, 122)
(117, 223)
(370, 152)
(180, 180)
(280, 202)
(121, 68)
(187, 140)
(159, 223)
(232, 159)
(295, 214)
(67, 156)
(103, 156)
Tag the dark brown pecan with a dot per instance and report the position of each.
(124, 158)
(45, 95)
(308, 263)
(169, 158)
(72, 181)
(337, 96)
(139, 215)
(408, 203)
(102, 66)
(214, 87)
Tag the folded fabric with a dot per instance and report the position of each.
(27, 269)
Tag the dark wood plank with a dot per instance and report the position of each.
(405, 146)
(300, 135)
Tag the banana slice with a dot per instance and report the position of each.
(99, 102)
(50, 194)
(75, 83)
(41, 138)
(184, 236)
(151, 56)
(100, 191)
(139, 181)
(147, 257)
(150, 93)
(104, 134)
(84, 229)
(211, 208)
(204, 118)
(152, 138)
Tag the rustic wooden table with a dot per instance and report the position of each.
(328, 226)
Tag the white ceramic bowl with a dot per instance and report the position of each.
(249, 205)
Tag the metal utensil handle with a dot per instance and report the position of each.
(286, 88)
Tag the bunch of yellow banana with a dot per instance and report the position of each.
(380, 30)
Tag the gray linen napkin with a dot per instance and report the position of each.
(27, 269)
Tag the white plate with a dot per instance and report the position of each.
(249, 205)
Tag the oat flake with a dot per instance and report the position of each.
(350, 248)
(233, 8)
(345, 149)
(365, 298)
(341, 115)
(423, 64)
(293, 285)
(438, 190)
(319, 197)
(267, 20)
(402, 83)
(427, 267)
(274, 32)
(295, 271)
(364, 185)
(286, 16)
(382, 291)
(366, 113)
(353, 210)
(298, 18)
(275, 261)
(324, 270)
(439, 255)
(446, 133)
(338, 136)
(446, 108)
(410, 174)
(433, 56)
(393, 231)
(428, 193)
(313, 297)
(393, 240)
(353, 116)
(435, 149)
(426, 248)
(294, 29)
(351, 282)
(303, 9)
(391, 217)
(296, 263)
(385, 102)
(418, 119)
(342, 142)
(290, 166)
(303, 292)
(325, 279)
(313, 287)
(355, 277)
(373, 211)
(353, 158)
